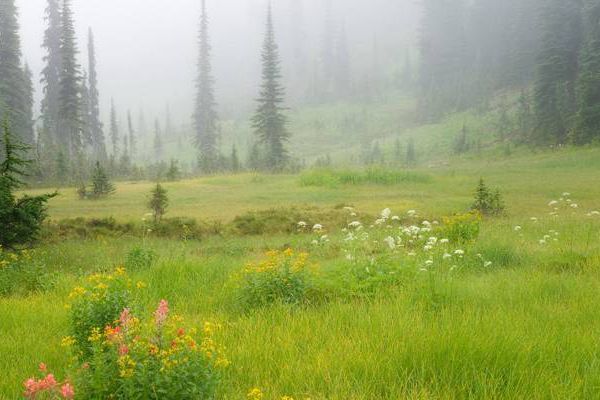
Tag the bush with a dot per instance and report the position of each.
(283, 277)
(157, 359)
(20, 274)
(20, 219)
(140, 258)
(463, 228)
(97, 304)
(487, 202)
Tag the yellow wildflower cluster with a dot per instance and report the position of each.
(276, 260)
(255, 394)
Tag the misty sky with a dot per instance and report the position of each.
(146, 49)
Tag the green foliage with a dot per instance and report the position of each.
(155, 359)
(283, 277)
(158, 202)
(463, 228)
(101, 185)
(487, 202)
(373, 175)
(588, 85)
(97, 304)
(140, 258)
(269, 121)
(174, 172)
(21, 274)
(461, 143)
(21, 219)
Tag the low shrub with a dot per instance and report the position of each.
(462, 228)
(96, 304)
(153, 359)
(282, 277)
(140, 258)
(21, 274)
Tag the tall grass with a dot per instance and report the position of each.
(374, 176)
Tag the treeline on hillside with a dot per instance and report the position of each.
(470, 50)
(71, 141)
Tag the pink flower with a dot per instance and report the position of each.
(31, 388)
(125, 317)
(123, 349)
(67, 391)
(48, 382)
(160, 315)
(43, 367)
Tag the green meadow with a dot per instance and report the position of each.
(515, 318)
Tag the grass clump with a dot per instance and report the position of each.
(373, 176)
(21, 274)
(283, 277)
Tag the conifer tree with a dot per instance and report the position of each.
(173, 173)
(28, 133)
(96, 129)
(205, 116)
(20, 219)
(70, 124)
(411, 154)
(101, 185)
(114, 129)
(158, 203)
(13, 87)
(342, 65)
(269, 121)
(51, 74)
(85, 117)
(158, 144)
(587, 126)
(557, 68)
(132, 138)
(235, 160)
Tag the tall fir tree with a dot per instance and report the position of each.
(205, 115)
(96, 128)
(28, 134)
(587, 128)
(269, 122)
(132, 137)
(158, 142)
(442, 51)
(70, 124)
(342, 76)
(51, 75)
(13, 87)
(114, 129)
(557, 68)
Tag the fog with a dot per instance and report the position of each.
(147, 49)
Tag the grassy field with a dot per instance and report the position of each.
(517, 318)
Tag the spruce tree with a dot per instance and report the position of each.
(269, 121)
(557, 68)
(411, 153)
(114, 129)
(101, 185)
(173, 173)
(20, 219)
(13, 87)
(158, 144)
(28, 133)
(96, 129)
(587, 127)
(158, 203)
(205, 115)
(235, 160)
(70, 124)
(51, 74)
(132, 138)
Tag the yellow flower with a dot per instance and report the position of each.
(96, 336)
(287, 398)
(140, 285)
(255, 394)
(77, 292)
(120, 271)
(288, 252)
(222, 362)
(67, 341)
